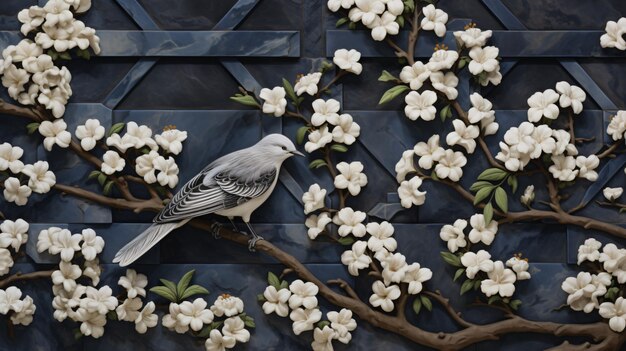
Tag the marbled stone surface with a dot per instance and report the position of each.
(178, 62)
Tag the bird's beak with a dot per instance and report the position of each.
(296, 152)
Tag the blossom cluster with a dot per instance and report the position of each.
(14, 234)
(614, 35)
(298, 300)
(82, 301)
(194, 315)
(599, 288)
(23, 180)
(496, 279)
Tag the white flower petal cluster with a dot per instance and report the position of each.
(543, 104)
(194, 314)
(378, 15)
(612, 194)
(463, 135)
(617, 126)
(274, 101)
(314, 198)
(171, 140)
(528, 196)
(585, 289)
(112, 162)
(571, 96)
(308, 84)
(350, 177)
(445, 83)
(325, 111)
(476, 262)
(134, 283)
(10, 158)
(454, 235)
(59, 241)
(318, 139)
(22, 310)
(15, 192)
(615, 313)
(482, 112)
(614, 35)
(450, 165)
(348, 60)
(410, 193)
(13, 234)
(589, 251)
(136, 136)
(147, 166)
(316, 224)
(501, 281)
(472, 36)
(481, 232)
(227, 305)
(350, 222)
(384, 296)
(6, 261)
(420, 105)
(520, 266)
(415, 75)
(40, 180)
(435, 20)
(356, 258)
(89, 133)
(442, 59)
(429, 152)
(55, 133)
(276, 301)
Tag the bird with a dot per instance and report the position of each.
(234, 185)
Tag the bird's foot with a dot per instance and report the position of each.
(215, 230)
(252, 243)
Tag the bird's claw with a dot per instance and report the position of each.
(252, 243)
(215, 230)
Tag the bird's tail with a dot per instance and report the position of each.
(144, 242)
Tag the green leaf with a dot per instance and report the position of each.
(462, 64)
(501, 199)
(459, 272)
(65, 56)
(492, 174)
(409, 5)
(392, 93)
(417, 306)
(194, 290)
(351, 25)
(169, 284)
(284, 285)
(261, 298)
(249, 322)
(273, 280)
(493, 299)
(317, 164)
(451, 259)
(116, 128)
(488, 213)
(290, 92)
(32, 127)
(515, 304)
(84, 54)
(477, 284)
(102, 178)
(341, 21)
(247, 100)
(482, 194)
(301, 133)
(426, 302)
(348, 240)
(467, 286)
(400, 20)
(443, 113)
(387, 77)
(108, 187)
(479, 185)
(53, 54)
(339, 148)
(94, 174)
(112, 315)
(512, 180)
(323, 324)
(183, 283)
(164, 292)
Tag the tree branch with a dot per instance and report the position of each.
(24, 276)
(445, 303)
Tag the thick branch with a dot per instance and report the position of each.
(24, 276)
(611, 149)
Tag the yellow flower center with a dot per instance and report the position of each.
(169, 127)
(441, 47)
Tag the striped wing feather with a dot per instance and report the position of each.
(224, 192)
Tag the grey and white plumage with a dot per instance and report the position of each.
(234, 185)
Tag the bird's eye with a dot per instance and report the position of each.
(283, 147)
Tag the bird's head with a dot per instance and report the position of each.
(278, 146)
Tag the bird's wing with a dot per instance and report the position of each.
(224, 192)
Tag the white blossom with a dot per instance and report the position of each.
(92, 324)
(476, 262)
(314, 198)
(453, 235)
(325, 111)
(366, 11)
(429, 152)
(356, 259)
(303, 294)
(463, 135)
(25, 315)
(451, 165)
(483, 59)
(410, 194)
(146, 319)
(435, 20)
(589, 251)
(41, 180)
(274, 101)
(342, 323)
(92, 244)
(168, 171)
(13, 234)
(55, 133)
(543, 105)
(219, 342)
(10, 300)
(194, 314)
(134, 283)
(420, 105)
(171, 140)
(10, 158)
(394, 268)
(571, 95)
(481, 232)
(350, 222)
(227, 305)
(563, 168)
(304, 319)
(481, 109)
(323, 339)
(14, 79)
(405, 165)
(121, 143)
(14, 192)
(519, 266)
(236, 328)
(89, 133)
(587, 166)
(317, 224)
(93, 270)
(381, 236)
(614, 261)
(348, 60)
(415, 75)
(99, 301)
(64, 243)
(346, 130)
(617, 126)
(615, 313)
(308, 84)
(6, 261)
(442, 60)
(128, 310)
(144, 166)
(112, 162)
(383, 296)
(334, 5)
(445, 83)
(383, 25)
(318, 139)
(276, 301)
(528, 196)
(171, 321)
(66, 275)
(614, 36)
(501, 281)
(415, 276)
(350, 177)
(581, 290)
(472, 37)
